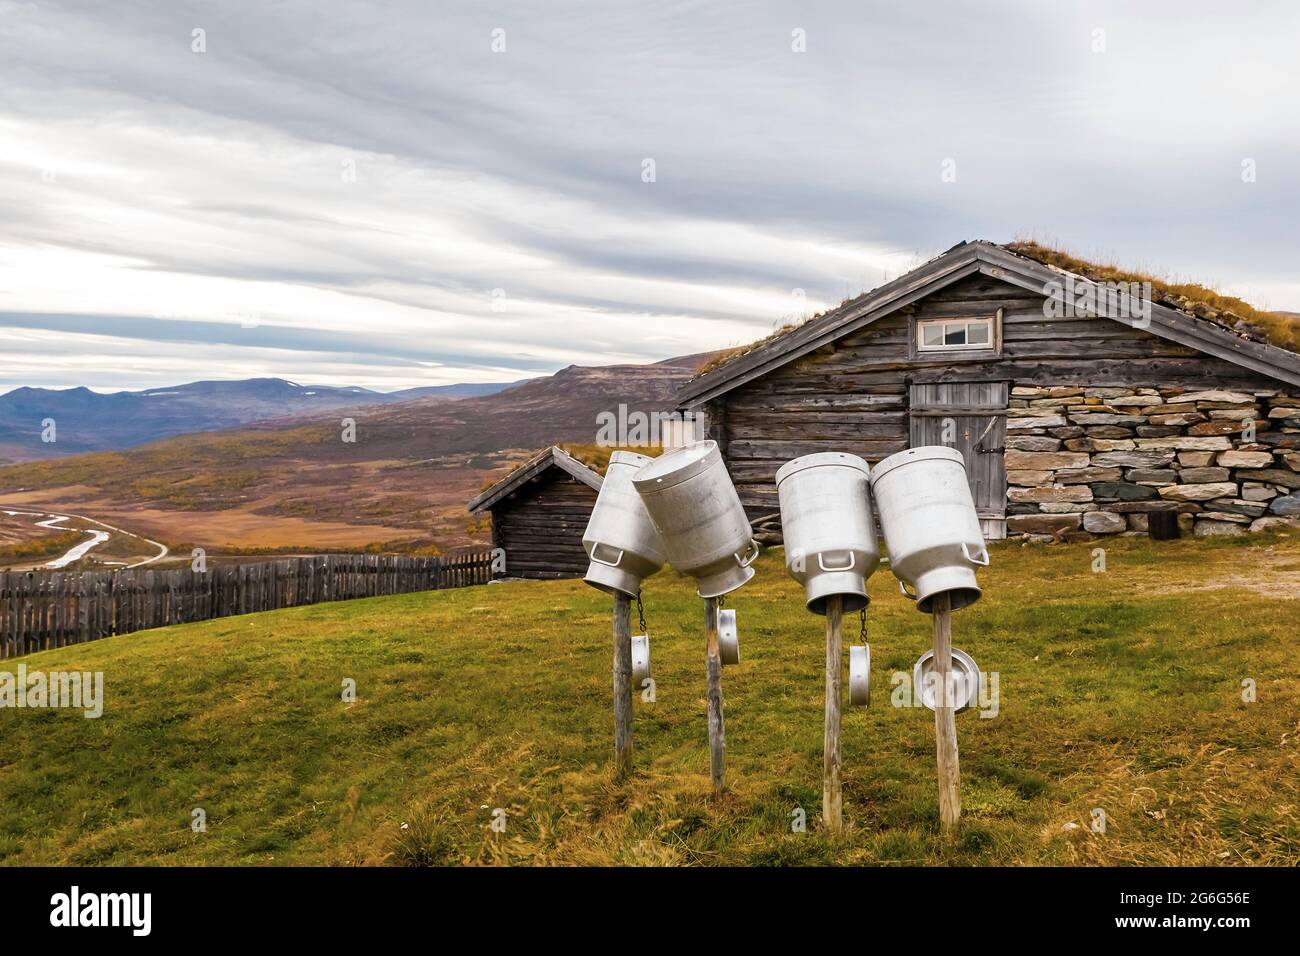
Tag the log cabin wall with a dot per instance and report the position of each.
(854, 396)
(540, 527)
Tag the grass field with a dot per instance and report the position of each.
(1120, 690)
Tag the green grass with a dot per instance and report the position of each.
(1119, 690)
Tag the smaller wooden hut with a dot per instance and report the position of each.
(539, 512)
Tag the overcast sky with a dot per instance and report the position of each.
(371, 194)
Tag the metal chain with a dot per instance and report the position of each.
(640, 613)
(862, 618)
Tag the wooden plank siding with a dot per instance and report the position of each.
(40, 610)
(540, 527)
(977, 415)
(936, 280)
(852, 394)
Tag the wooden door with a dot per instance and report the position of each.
(971, 417)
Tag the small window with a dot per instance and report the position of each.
(950, 335)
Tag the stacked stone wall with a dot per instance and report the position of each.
(1087, 461)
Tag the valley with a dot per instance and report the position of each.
(294, 485)
(59, 541)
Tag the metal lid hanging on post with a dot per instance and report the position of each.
(964, 675)
(728, 637)
(860, 675)
(640, 659)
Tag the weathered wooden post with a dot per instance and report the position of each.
(713, 672)
(832, 803)
(623, 548)
(622, 686)
(935, 542)
(830, 548)
(945, 718)
(691, 501)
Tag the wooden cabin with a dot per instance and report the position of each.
(539, 512)
(1076, 414)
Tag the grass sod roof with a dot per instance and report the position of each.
(1281, 329)
(547, 458)
(1272, 328)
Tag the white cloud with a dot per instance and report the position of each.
(141, 180)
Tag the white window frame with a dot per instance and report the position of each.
(988, 321)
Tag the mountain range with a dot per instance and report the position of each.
(92, 421)
(400, 479)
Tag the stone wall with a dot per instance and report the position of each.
(1084, 461)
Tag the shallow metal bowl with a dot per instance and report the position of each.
(967, 689)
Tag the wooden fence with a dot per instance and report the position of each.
(44, 609)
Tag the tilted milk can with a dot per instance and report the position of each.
(932, 532)
(692, 502)
(620, 539)
(829, 531)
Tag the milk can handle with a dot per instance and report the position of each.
(609, 564)
(906, 593)
(749, 558)
(821, 563)
(975, 560)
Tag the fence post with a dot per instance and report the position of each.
(49, 609)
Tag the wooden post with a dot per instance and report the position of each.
(622, 686)
(832, 805)
(713, 668)
(945, 720)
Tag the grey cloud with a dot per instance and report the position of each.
(841, 144)
(365, 344)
